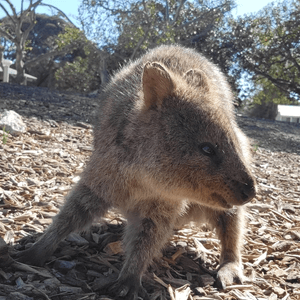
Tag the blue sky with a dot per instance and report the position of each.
(69, 7)
(246, 6)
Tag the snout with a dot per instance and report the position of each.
(244, 191)
(248, 192)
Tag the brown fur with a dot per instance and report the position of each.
(167, 151)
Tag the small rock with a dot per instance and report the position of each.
(12, 122)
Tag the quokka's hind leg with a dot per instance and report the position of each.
(145, 236)
(78, 212)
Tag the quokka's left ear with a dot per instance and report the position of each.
(157, 84)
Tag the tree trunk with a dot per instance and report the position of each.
(19, 65)
(104, 75)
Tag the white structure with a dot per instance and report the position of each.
(288, 113)
(6, 64)
(7, 71)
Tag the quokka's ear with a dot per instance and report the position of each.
(196, 77)
(157, 84)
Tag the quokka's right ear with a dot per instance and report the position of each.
(157, 84)
(197, 78)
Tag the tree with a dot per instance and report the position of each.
(125, 29)
(79, 65)
(18, 36)
(42, 40)
(60, 55)
(267, 46)
(82, 72)
(16, 28)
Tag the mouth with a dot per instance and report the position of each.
(221, 201)
(246, 198)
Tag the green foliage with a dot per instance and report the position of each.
(126, 29)
(270, 93)
(79, 74)
(255, 147)
(148, 33)
(75, 75)
(267, 91)
(70, 36)
(27, 46)
(4, 136)
(267, 46)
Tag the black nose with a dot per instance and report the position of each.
(248, 191)
(244, 190)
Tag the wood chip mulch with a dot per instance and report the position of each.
(39, 167)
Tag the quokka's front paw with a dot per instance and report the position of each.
(228, 274)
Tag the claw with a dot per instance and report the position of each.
(228, 274)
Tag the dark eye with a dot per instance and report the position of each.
(207, 149)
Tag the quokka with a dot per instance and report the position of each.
(167, 150)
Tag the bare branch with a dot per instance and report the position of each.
(60, 11)
(32, 6)
(290, 56)
(178, 11)
(11, 7)
(167, 12)
(7, 35)
(284, 85)
(201, 16)
(202, 34)
(48, 55)
(7, 13)
(32, 24)
(140, 42)
(115, 10)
